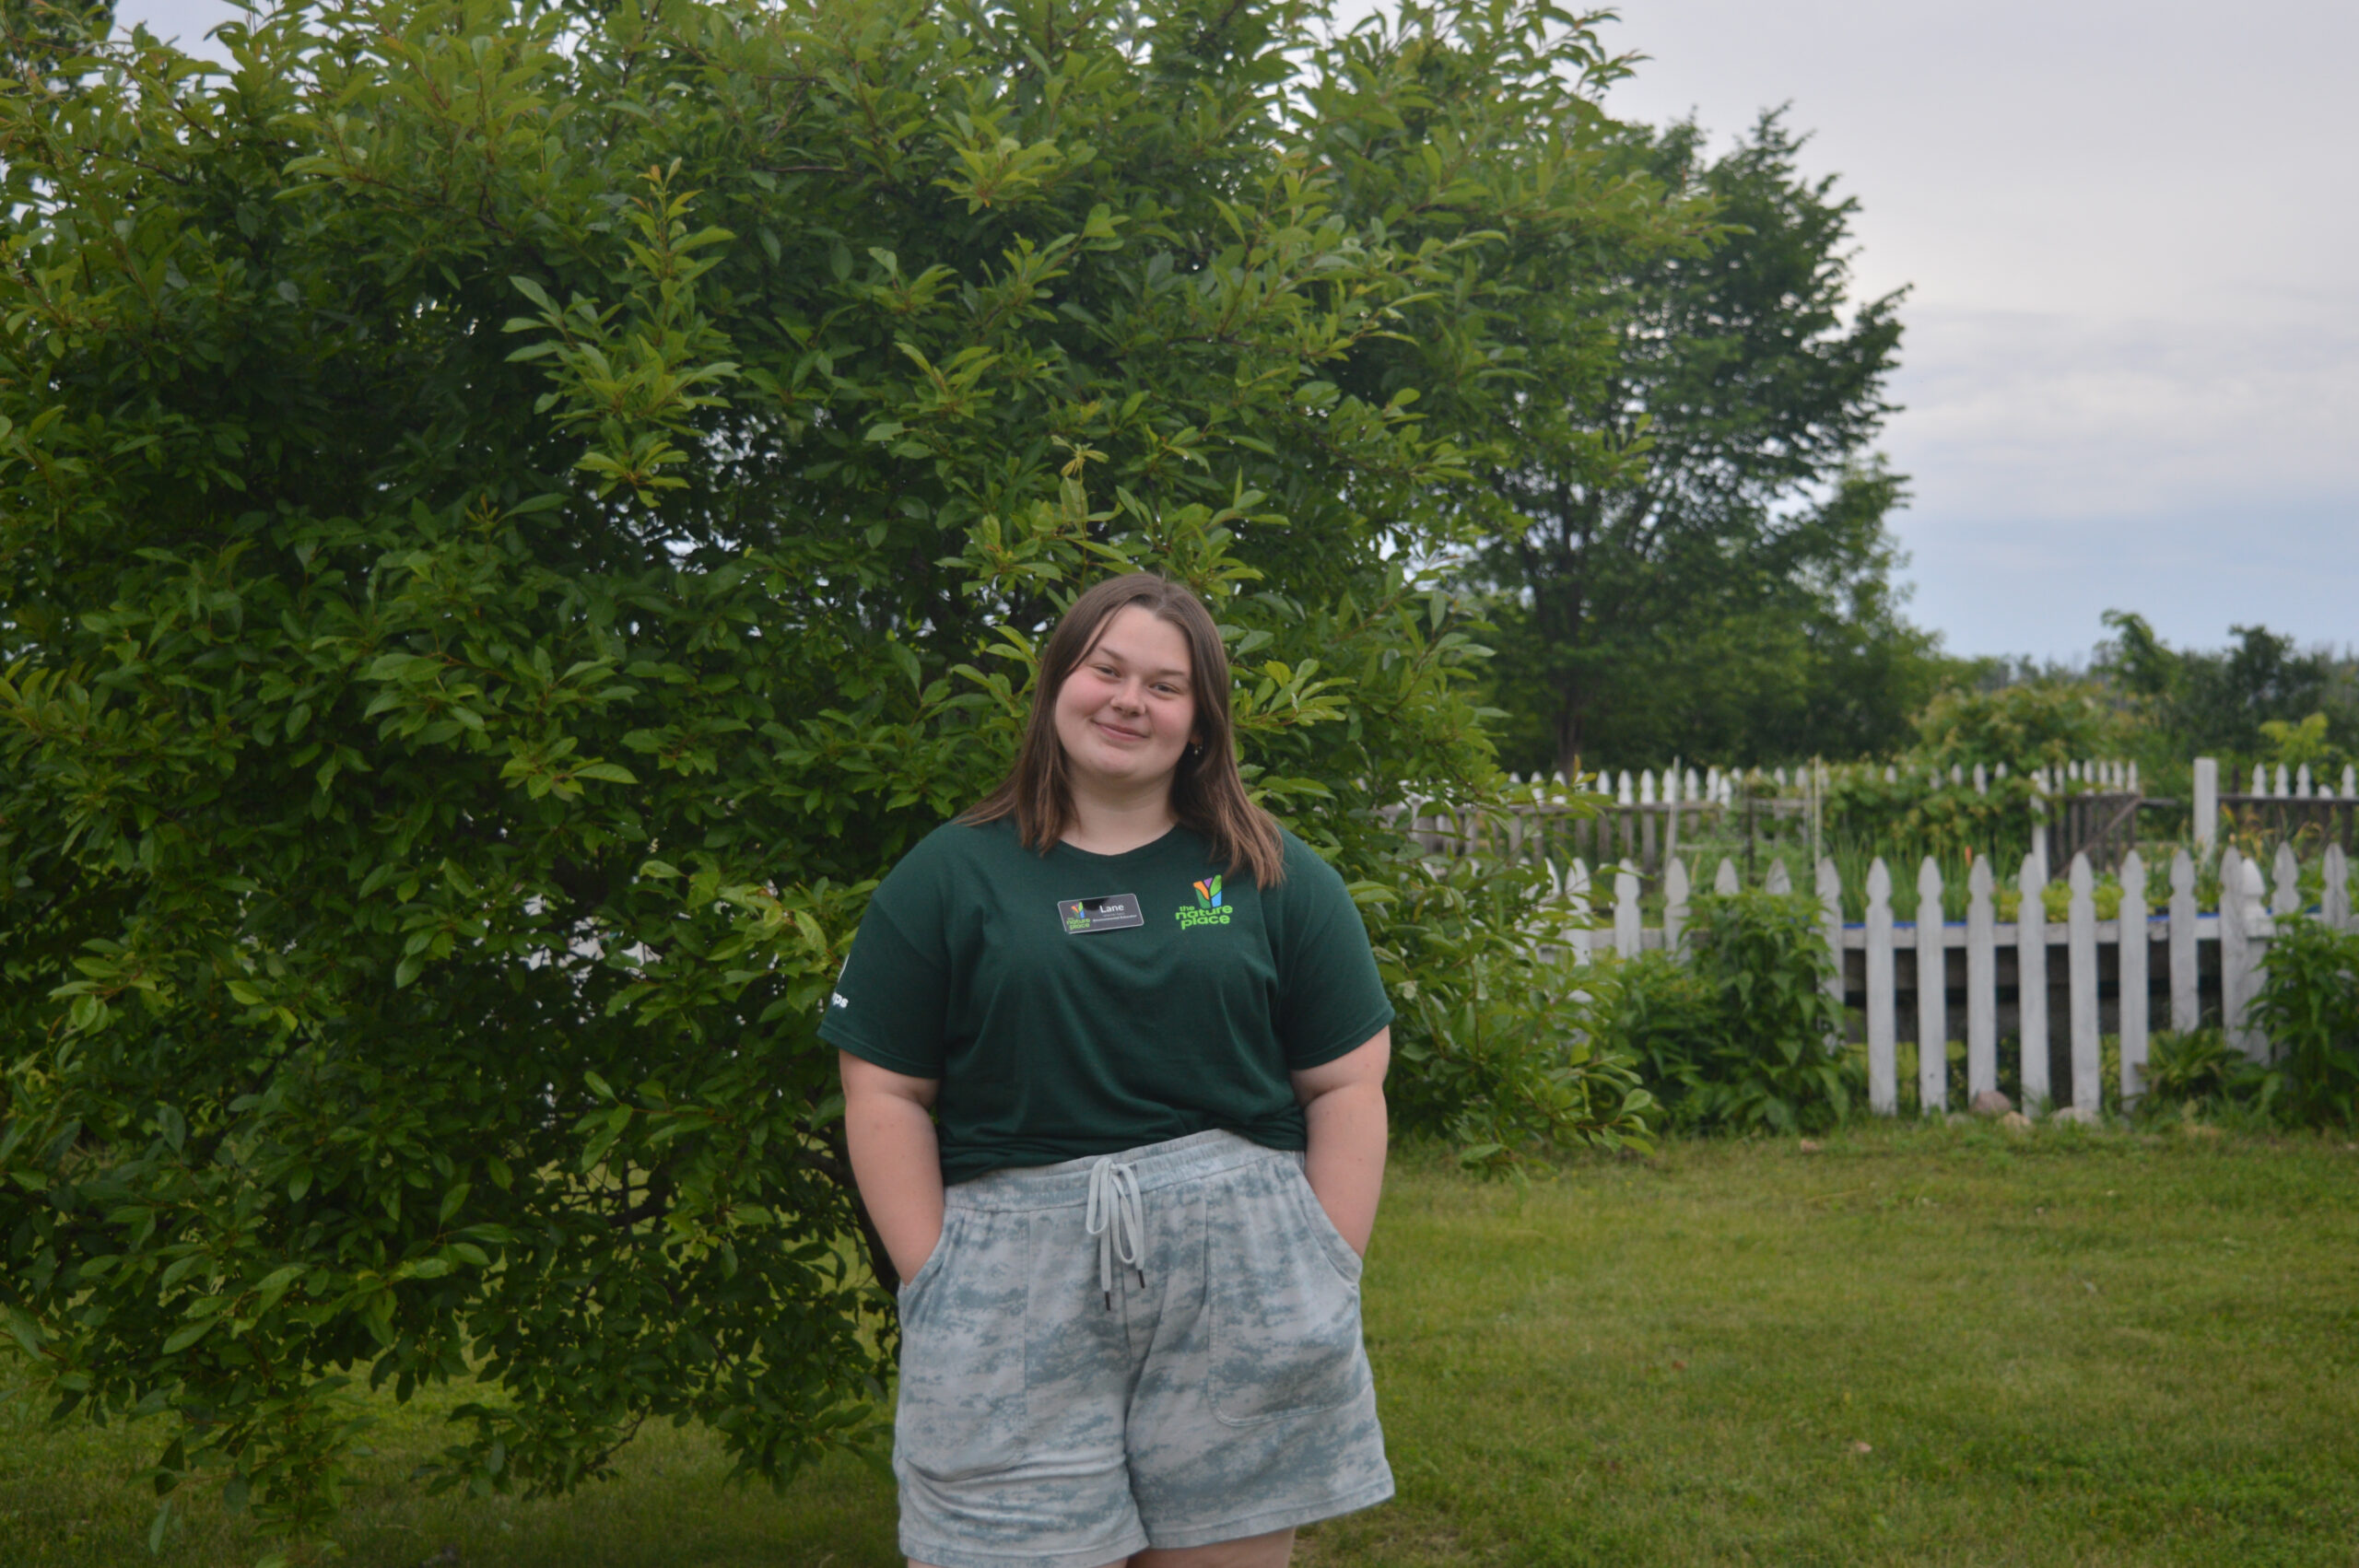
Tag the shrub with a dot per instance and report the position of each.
(2308, 1007)
(1496, 1046)
(1737, 1036)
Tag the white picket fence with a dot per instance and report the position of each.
(2240, 929)
(1642, 817)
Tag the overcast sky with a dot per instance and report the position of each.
(2129, 231)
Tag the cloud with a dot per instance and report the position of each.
(2065, 415)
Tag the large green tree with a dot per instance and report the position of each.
(1692, 553)
(511, 517)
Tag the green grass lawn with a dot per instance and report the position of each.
(1938, 1345)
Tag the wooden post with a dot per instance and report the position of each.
(2184, 995)
(2207, 804)
(1933, 998)
(1830, 919)
(2334, 908)
(1724, 880)
(1626, 911)
(2130, 966)
(1647, 861)
(1883, 1090)
(1674, 904)
(1779, 881)
(1982, 983)
(2080, 965)
(2031, 981)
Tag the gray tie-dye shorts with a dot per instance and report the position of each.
(1063, 1406)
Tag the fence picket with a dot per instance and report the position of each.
(2334, 907)
(1779, 881)
(1724, 880)
(2131, 959)
(2287, 897)
(2030, 981)
(2253, 925)
(1932, 995)
(2080, 965)
(2185, 1015)
(2234, 962)
(1884, 1090)
(1626, 929)
(1577, 898)
(1830, 919)
(1674, 904)
(1982, 983)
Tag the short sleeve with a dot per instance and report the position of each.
(1330, 999)
(891, 1000)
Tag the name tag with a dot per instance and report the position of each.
(1111, 913)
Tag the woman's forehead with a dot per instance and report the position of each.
(1136, 635)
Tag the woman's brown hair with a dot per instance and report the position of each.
(1207, 793)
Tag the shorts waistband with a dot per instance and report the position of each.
(1198, 1155)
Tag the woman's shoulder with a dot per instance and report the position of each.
(1308, 876)
(957, 849)
(961, 839)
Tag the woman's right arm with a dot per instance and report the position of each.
(894, 1160)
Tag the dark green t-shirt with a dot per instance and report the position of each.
(1076, 1004)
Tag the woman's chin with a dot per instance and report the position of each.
(1124, 771)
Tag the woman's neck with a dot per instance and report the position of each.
(1105, 822)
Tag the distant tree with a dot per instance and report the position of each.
(1692, 551)
(2222, 702)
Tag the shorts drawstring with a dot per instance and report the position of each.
(1116, 1217)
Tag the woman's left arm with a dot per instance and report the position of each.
(1342, 1102)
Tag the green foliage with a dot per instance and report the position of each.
(2302, 745)
(2197, 1071)
(1904, 820)
(2022, 726)
(2308, 1008)
(1495, 1046)
(510, 517)
(1693, 555)
(40, 40)
(2249, 702)
(1736, 1037)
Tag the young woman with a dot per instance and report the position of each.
(1113, 1051)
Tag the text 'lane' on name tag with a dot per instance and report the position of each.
(1111, 913)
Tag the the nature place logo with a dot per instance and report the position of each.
(1209, 910)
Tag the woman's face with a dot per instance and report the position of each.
(1128, 709)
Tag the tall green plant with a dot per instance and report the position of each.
(2308, 1008)
(1498, 1051)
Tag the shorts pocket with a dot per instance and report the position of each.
(1314, 1217)
(1284, 1308)
(960, 1412)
